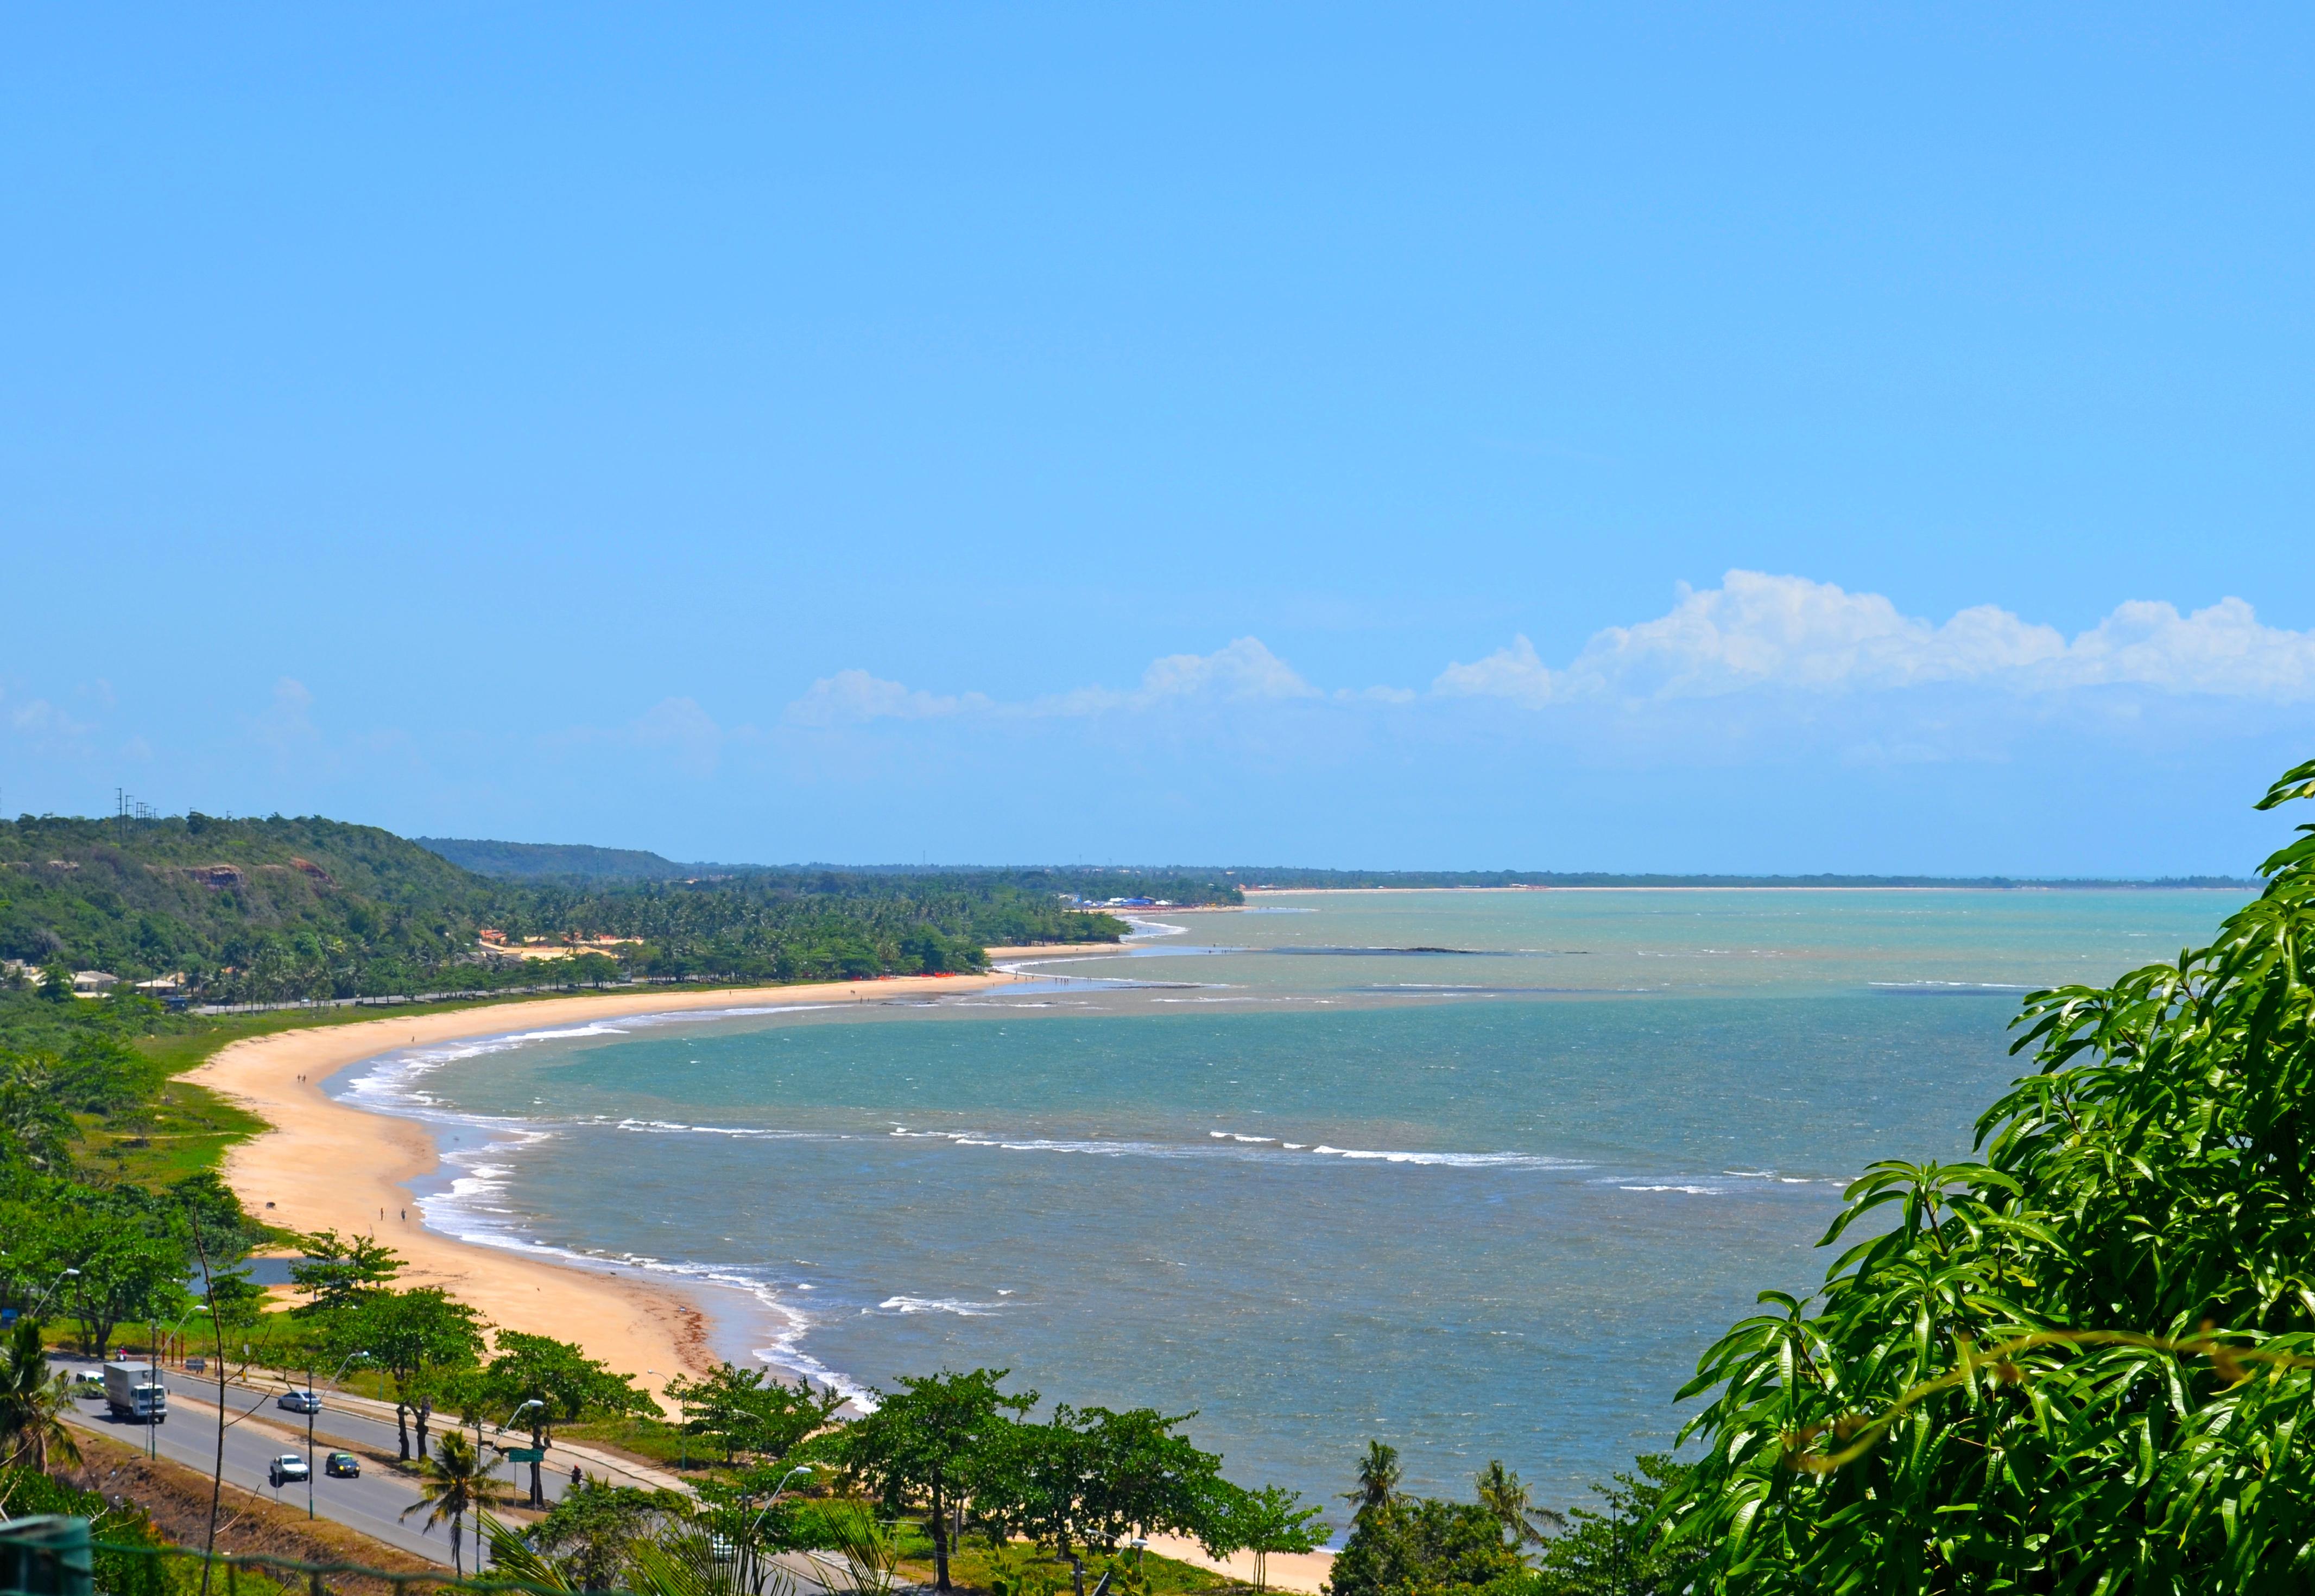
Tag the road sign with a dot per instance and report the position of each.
(526, 1454)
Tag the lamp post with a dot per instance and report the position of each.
(520, 1409)
(62, 1276)
(747, 1538)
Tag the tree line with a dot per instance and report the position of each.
(283, 909)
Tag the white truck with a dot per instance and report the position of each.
(134, 1392)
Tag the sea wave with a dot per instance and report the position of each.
(1450, 1160)
(1945, 989)
(748, 1132)
(390, 1079)
(1238, 1146)
(946, 1305)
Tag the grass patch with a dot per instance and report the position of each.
(649, 1441)
(1025, 1571)
(184, 1129)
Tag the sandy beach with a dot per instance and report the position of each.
(325, 1166)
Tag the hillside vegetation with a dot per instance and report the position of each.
(265, 910)
(537, 861)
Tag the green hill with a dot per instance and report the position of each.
(194, 893)
(555, 861)
(253, 911)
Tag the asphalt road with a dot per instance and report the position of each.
(355, 1427)
(372, 1503)
(257, 1431)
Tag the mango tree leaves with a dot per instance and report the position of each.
(2084, 1363)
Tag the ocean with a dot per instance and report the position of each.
(1480, 1175)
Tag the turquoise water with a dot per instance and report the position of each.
(1487, 1202)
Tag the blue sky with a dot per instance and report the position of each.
(1310, 434)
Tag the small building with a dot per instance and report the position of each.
(88, 983)
(162, 984)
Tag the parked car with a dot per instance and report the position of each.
(342, 1466)
(286, 1468)
(298, 1402)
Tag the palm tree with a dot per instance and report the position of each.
(1379, 1477)
(457, 1484)
(1502, 1494)
(32, 1402)
(33, 1122)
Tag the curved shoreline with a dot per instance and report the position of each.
(328, 1165)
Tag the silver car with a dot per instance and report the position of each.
(286, 1468)
(298, 1402)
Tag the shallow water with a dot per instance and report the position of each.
(1484, 1202)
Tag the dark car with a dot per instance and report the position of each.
(342, 1466)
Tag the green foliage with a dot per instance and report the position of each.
(342, 1272)
(749, 1412)
(561, 1378)
(1424, 1546)
(1503, 1493)
(2012, 1387)
(28, 1492)
(456, 1482)
(925, 1445)
(33, 1402)
(1272, 1518)
(36, 1128)
(1621, 1548)
(1378, 1477)
(279, 910)
(419, 1339)
(551, 1380)
(1088, 1476)
(588, 1534)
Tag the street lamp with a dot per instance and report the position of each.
(777, 1491)
(748, 1538)
(538, 1491)
(61, 1278)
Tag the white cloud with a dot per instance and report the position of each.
(1242, 670)
(1769, 637)
(2221, 650)
(1759, 630)
(1516, 673)
(850, 697)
